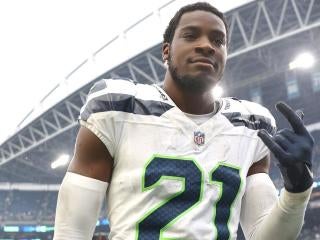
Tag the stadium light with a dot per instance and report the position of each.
(61, 161)
(217, 91)
(302, 61)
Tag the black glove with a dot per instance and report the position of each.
(293, 148)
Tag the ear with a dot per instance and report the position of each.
(165, 51)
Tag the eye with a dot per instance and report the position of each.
(189, 36)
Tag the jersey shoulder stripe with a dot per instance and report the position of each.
(248, 114)
(124, 96)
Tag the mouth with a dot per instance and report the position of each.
(205, 62)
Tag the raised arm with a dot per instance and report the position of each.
(263, 214)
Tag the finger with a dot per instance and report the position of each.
(282, 141)
(293, 118)
(274, 147)
(294, 138)
(288, 134)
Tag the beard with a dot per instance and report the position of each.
(200, 83)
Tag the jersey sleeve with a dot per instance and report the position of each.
(262, 119)
(98, 114)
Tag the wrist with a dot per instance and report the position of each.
(293, 202)
(297, 178)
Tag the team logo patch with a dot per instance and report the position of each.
(198, 138)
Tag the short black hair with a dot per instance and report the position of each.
(203, 6)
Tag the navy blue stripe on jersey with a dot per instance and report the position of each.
(251, 121)
(124, 103)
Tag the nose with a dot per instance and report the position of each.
(204, 46)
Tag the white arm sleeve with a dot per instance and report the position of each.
(264, 216)
(79, 203)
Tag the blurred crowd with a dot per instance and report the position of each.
(27, 207)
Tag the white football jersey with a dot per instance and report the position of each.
(172, 178)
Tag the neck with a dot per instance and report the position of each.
(187, 101)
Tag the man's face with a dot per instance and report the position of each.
(198, 52)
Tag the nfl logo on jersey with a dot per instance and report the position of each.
(199, 138)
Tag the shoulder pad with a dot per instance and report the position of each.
(123, 96)
(248, 114)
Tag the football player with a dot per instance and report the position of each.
(176, 163)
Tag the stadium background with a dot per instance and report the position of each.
(265, 37)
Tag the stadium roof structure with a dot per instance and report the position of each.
(264, 36)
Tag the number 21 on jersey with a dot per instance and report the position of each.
(157, 220)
